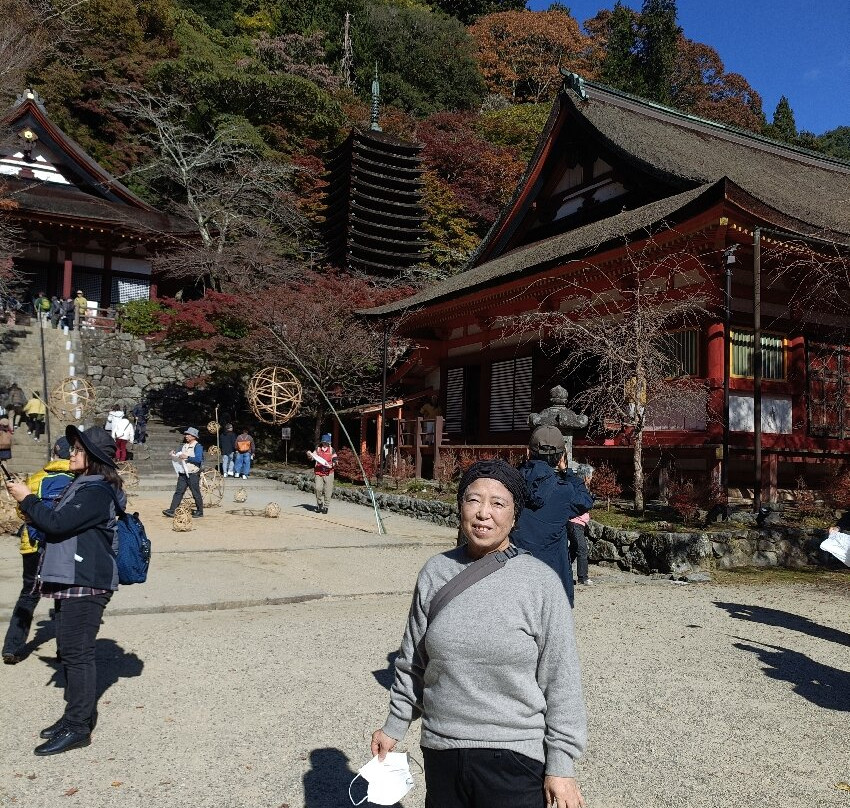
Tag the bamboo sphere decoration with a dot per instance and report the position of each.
(9, 519)
(182, 522)
(183, 509)
(272, 510)
(213, 451)
(129, 474)
(72, 399)
(274, 395)
(240, 495)
(212, 488)
(213, 427)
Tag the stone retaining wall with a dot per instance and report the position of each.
(689, 555)
(123, 368)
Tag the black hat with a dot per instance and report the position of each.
(96, 441)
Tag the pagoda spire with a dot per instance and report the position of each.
(376, 99)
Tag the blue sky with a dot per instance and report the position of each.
(796, 48)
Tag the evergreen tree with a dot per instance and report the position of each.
(619, 67)
(784, 127)
(658, 48)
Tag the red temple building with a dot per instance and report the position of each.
(80, 227)
(609, 170)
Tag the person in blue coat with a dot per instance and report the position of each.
(554, 496)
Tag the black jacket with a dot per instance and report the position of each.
(81, 534)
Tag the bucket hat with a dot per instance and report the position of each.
(191, 431)
(96, 441)
(326, 438)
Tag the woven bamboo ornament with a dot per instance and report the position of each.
(212, 488)
(184, 508)
(274, 395)
(182, 522)
(213, 427)
(213, 451)
(271, 511)
(129, 474)
(9, 519)
(240, 495)
(72, 399)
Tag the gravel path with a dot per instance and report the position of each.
(699, 695)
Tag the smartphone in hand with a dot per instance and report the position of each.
(5, 471)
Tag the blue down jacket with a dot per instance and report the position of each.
(553, 499)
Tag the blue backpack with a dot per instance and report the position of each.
(134, 547)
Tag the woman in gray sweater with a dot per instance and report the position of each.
(495, 676)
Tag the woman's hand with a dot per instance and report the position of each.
(562, 792)
(18, 491)
(382, 743)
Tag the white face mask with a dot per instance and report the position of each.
(389, 780)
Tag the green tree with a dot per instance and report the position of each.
(836, 142)
(620, 63)
(784, 126)
(658, 47)
(467, 11)
(426, 60)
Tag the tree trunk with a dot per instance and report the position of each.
(638, 458)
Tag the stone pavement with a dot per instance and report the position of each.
(253, 666)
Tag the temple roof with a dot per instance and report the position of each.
(47, 173)
(661, 166)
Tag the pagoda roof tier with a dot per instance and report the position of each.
(401, 217)
(368, 194)
(379, 228)
(367, 161)
(386, 143)
(377, 219)
(387, 256)
(357, 236)
(387, 190)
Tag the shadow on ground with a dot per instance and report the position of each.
(776, 617)
(822, 685)
(113, 663)
(326, 783)
(385, 677)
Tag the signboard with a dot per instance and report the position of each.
(286, 433)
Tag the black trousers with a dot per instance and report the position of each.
(78, 623)
(578, 548)
(482, 778)
(19, 625)
(193, 483)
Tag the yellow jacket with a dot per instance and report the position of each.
(54, 468)
(35, 406)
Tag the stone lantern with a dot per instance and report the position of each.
(560, 415)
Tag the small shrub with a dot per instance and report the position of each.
(837, 489)
(348, 469)
(804, 500)
(685, 499)
(141, 317)
(446, 469)
(604, 484)
(404, 469)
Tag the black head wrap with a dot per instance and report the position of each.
(499, 470)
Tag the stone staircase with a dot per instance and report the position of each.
(20, 361)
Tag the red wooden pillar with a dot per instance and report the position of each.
(714, 352)
(67, 276)
(379, 436)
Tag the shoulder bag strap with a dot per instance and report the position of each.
(470, 576)
(118, 509)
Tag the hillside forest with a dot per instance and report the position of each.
(223, 110)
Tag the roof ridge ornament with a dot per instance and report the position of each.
(574, 82)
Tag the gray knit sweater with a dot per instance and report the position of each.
(498, 668)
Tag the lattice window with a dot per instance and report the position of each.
(454, 400)
(126, 289)
(510, 394)
(772, 355)
(682, 349)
